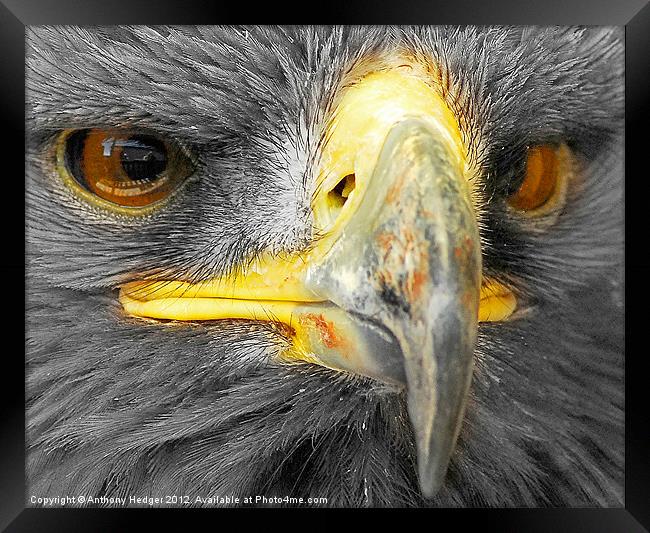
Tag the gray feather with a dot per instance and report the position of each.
(119, 406)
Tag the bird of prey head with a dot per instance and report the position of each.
(380, 266)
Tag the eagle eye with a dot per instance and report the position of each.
(122, 170)
(543, 188)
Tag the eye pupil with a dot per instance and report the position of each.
(143, 157)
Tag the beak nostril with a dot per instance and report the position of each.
(340, 193)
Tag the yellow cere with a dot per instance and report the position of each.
(363, 118)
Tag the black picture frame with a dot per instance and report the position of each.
(633, 14)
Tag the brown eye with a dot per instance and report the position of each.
(544, 185)
(122, 169)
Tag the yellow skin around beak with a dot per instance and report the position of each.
(275, 288)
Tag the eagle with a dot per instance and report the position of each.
(338, 266)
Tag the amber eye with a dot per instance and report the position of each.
(544, 184)
(122, 169)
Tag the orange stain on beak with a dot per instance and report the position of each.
(326, 330)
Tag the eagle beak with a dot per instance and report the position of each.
(392, 287)
(410, 262)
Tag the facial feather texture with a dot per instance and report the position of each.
(119, 406)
